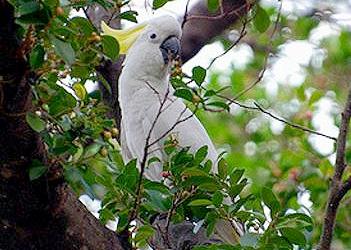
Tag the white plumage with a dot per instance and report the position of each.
(144, 84)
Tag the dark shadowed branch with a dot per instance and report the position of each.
(197, 31)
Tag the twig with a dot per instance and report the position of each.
(177, 201)
(241, 35)
(263, 71)
(257, 107)
(169, 215)
(338, 189)
(293, 124)
(253, 84)
(185, 18)
(144, 159)
(174, 125)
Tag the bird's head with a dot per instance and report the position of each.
(149, 46)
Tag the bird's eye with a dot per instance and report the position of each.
(153, 36)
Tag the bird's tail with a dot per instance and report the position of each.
(228, 232)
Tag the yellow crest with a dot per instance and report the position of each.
(126, 37)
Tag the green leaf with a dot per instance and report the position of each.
(110, 47)
(79, 71)
(184, 93)
(210, 92)
(157, 186)
(51, 3)
(129, 15)
(35, 122)
(212, 5)
(122, 220)
(83, 25)
(208, 187)
(261, 19)
(62, 102)
(104, 3)
(207, 166)
(199, 180)
(152, 160)
(200, 202)
(36, 170)
(222, 168)
(79, 90)
(236, 175)
(219, 104)
(201, 154)
(236, 189)
(28, 8)
(105, 215)
(105, 83)
(194, 172)
(158, 3)
(143, 234)
(294, 236)
(217, 198)
(92, 150)
(36, 57)
(129, 177)
(270, 200)
(64, 50)
(158, 201)
(241, 202)
(39, 16)
(211, 218)
(300, 217)
(199, 75)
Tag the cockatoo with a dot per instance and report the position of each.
(150, 111)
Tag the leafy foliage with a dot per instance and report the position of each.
(258, 188)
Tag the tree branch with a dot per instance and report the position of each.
(197, 32)
(337, 189)
(293, 125)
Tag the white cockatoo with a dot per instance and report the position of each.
(143, 87)
(150, 111)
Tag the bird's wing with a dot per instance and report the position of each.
(176, 119)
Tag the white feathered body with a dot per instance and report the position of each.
(140, 104)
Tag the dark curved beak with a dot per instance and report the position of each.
(170, 48)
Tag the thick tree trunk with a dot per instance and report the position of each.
(44, 213)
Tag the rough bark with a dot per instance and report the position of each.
(44, 213)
